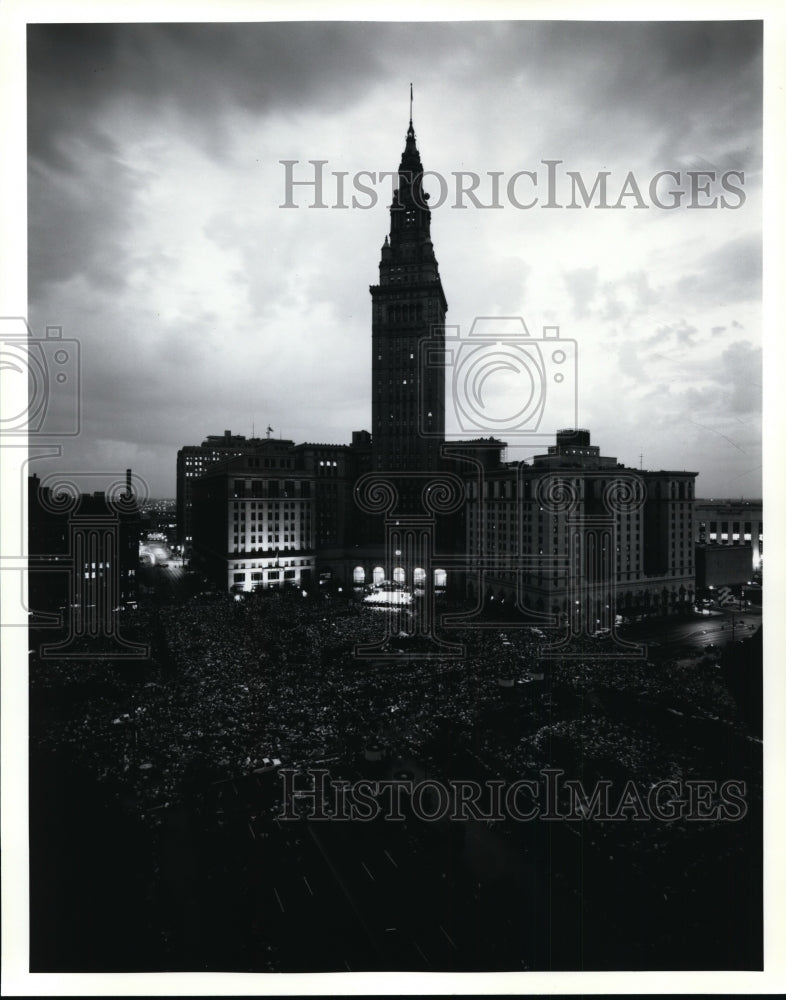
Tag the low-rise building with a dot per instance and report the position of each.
(732, 523)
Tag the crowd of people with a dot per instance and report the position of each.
(233, 683)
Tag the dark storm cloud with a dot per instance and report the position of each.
(80, 77)
(672, 79)
(78, 74)
(275, 66)
(70, 69)
(114, 109)
(83, 232)
(200, 69)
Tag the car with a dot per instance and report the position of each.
(601, 633)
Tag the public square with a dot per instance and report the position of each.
(171, 853)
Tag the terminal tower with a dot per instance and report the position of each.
(408, 309)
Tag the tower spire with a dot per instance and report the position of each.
(409, 307)
(410, 105)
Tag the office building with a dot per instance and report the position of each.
(253, 518)
(192, 462)
(83, 553)
(575, 534)
(732, 523)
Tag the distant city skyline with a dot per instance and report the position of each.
(157, 237)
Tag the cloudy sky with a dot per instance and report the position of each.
(156, 236)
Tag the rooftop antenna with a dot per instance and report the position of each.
(410, 105)
(269, 431)
(641, 462)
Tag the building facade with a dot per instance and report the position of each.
(253, 519)
(732, 522)
(336, 468)
(577, 535)
(192, 462)
(82, 559)
(722, 565)
(233, 549)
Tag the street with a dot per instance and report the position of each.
(718, 628)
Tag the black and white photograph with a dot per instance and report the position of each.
(382, 437)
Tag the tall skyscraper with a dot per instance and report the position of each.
(408, 306)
